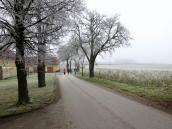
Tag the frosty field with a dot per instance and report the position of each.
(153, 82)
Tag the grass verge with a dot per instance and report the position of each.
(39, 96)
(160, 97)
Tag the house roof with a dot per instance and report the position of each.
(49, 60)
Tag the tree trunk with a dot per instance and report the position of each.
(22, 79)
(41, 75)
(78, 67)
(1, 73)
(67, 64)
(91, 68)
(21, 71)
(82, 69)
(70, 65)
(41, 64)
(41, 52)
(20, 61)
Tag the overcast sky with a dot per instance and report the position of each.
(150, 24)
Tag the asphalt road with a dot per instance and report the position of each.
(92, 107)
(86, 106)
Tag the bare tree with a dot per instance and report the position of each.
(81, 61)
(12, 28)
(18, 31)
(52, 28)
(71, 52)
(65, 54)
(44, 30)
(78, 55)
(96, 33)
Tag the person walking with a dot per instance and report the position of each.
(64, 71)
(68, 71)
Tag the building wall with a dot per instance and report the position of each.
(52, 68)
(7, 62)
(7, 68)
(8, 72)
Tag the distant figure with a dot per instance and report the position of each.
(68, 71)
(64, 71)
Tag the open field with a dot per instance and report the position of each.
(155, 75)
(159, 97)
(135, 77)
(140, 67)
(39, 96)
(153, 84)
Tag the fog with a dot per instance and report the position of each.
(150, 25)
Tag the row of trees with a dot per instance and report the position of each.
(29, 28)
(91, 35)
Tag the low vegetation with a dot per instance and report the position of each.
(39, 96)
(155, 86)
(138, 77)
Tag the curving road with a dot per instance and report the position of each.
(91, 107)
(86, 106)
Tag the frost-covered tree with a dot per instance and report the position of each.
(96, 33)
(14, 14)
(54, 27)
(65, 54)
(27, 27)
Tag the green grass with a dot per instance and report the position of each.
(153, 93)
(38, 96)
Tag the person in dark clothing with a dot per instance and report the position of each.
(68, 71)
(64, 71)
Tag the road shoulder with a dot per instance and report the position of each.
(130, 96)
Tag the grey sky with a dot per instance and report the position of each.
(150, 24)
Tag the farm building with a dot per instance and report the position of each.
(7, 64)
(8, 68)
(51, 64)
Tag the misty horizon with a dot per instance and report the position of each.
(149, 23)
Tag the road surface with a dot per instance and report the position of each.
(92, 107)
(86, 106)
